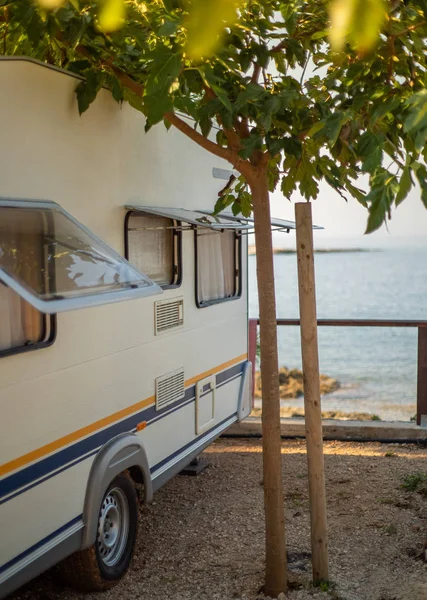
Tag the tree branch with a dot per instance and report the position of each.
(411, 28)
(305, 68)
(232, 136)
(228, 154)
(256, 73)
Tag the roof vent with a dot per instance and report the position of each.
(169, 388)
(169, 314)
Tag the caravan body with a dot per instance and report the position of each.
(90, 387)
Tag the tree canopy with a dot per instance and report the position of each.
(272, 91)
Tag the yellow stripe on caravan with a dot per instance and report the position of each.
(34, 455)
(72, 437)
(229, 363)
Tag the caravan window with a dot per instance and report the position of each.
(53, 262)
(153, 245)
(22, 327)
(217, 266)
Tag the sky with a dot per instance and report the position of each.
(345, 222)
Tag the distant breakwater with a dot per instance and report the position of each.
(252, 250)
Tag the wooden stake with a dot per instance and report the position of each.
(313, 410)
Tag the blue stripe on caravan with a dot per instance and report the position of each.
(67, 457)
(222, 377)
(187, 446)
(71, 453)
(45, 540)
(49, 476)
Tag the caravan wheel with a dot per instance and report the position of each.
(106, 562)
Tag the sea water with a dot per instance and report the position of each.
(377, 367)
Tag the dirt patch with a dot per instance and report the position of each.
(203, 537)
(292, 386)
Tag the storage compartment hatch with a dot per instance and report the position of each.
(205, 404)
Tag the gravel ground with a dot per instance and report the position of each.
(202, 538)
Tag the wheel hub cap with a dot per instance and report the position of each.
(113, 527)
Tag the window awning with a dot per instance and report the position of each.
(77, 269)
(197, 218)
(276, 224)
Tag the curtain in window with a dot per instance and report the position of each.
(215, 265)
(20, 323)
(151, 247)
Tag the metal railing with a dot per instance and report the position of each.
(422, 348)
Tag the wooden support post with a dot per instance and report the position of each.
(422, 377)
(313, 411)
(252, 335)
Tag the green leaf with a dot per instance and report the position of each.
(405, 185)
(88, 89)
(289, 184)
(215, 83)
(421, 175)
(155, 107)
(417, 113)
(373, 160)
(222, 96)
(292, 146)
(316, 128)
(252, 93)
(235, 208)
(223, 202)
(384, 188)
(245, 199)
(334, 124)
(205, 125)
(169, 27)
(117, 90)
(319, 35)
(273, 176)
(274, 144)
(377, 211)
(308, 187)
(164, 70)
(367, 144)
(384, 108)
(133, 99)
(420, 139)
(357, 193)
(250, 144)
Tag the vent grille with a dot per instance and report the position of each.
(169, 315)
(169, 388)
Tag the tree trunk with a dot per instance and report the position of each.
(276, 575)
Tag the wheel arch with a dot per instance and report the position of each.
(124, 452)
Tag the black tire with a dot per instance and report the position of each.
(94, 569)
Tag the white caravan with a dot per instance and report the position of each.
(98, 394)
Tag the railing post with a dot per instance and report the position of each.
(422, 377)
(252, 335)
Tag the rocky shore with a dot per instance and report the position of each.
(291, 384)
